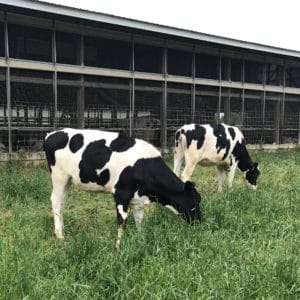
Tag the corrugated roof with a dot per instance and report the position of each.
(46, 7)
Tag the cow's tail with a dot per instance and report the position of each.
(179, 150)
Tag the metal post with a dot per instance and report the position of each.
(132, 94)
(220, 91)
(263, 107)
(243, 93)
(8, 89)
(164, 114)
(54, 74)
(193, 100)
(80, 91)
(283, 103)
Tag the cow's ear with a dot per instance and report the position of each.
(255, 165)
(188, 186)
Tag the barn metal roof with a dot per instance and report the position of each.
(50, 8)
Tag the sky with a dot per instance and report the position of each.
(269, 22)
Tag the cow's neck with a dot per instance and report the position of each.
(242, 156)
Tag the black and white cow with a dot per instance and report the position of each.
(131, 169)
(214, 144)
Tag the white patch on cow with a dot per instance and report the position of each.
(122, 212)
(173, 209)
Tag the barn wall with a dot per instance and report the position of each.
(54, 74)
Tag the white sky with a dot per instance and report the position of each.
(269, 22)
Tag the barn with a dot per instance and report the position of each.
(66, 67)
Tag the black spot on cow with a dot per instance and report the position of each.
(55, 141)
(94, 157)
(122, 143)
(76, 142)
(103, 177)
(231, 132)
(196, 134)
(222, 141)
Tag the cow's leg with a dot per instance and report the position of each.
(221, 176)
(138, 214)
(231, 172)
(61, 184)
(178, 158)
(190, 164)
(122, 200)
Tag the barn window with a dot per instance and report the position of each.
(292, 77)
(179, 108)
(206, 104)
(254, 72)
(148, 58)
(32, 107)
(106, 53)
(253, 118)
(291, 120)
(67, 48)
(30, 43)
(107, 103)
(179, 62)
(274, 74)
(207, 66)
(148, 111)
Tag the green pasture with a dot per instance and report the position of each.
(248, 246)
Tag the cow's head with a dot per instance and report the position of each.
(251, 176)
(186, 203)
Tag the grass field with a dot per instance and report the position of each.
(247, 247)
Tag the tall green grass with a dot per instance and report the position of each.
(247, 246)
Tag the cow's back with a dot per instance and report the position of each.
(210, 144)
(93, 159)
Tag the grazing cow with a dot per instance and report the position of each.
(214, 144)
(131, 169)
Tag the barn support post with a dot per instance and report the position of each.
(220, 92)
(164, 104)
(263, 116)
(80, 90)
(282, 105)
(243, 94)
(193, 88)
(8, 88)
(132, 91)
(54, 75)
(227, 95)
(277, 120)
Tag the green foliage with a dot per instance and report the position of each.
(246, 248)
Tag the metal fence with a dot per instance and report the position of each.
(137, 108)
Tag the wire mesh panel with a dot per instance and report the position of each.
(32, 108)
(271, 118)
(231, 107)
(253, 120)
(290, 131)
(206, 104)
(147, 111)
(3, 114)
(67, 99)
(107, 104)
(179, 108)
